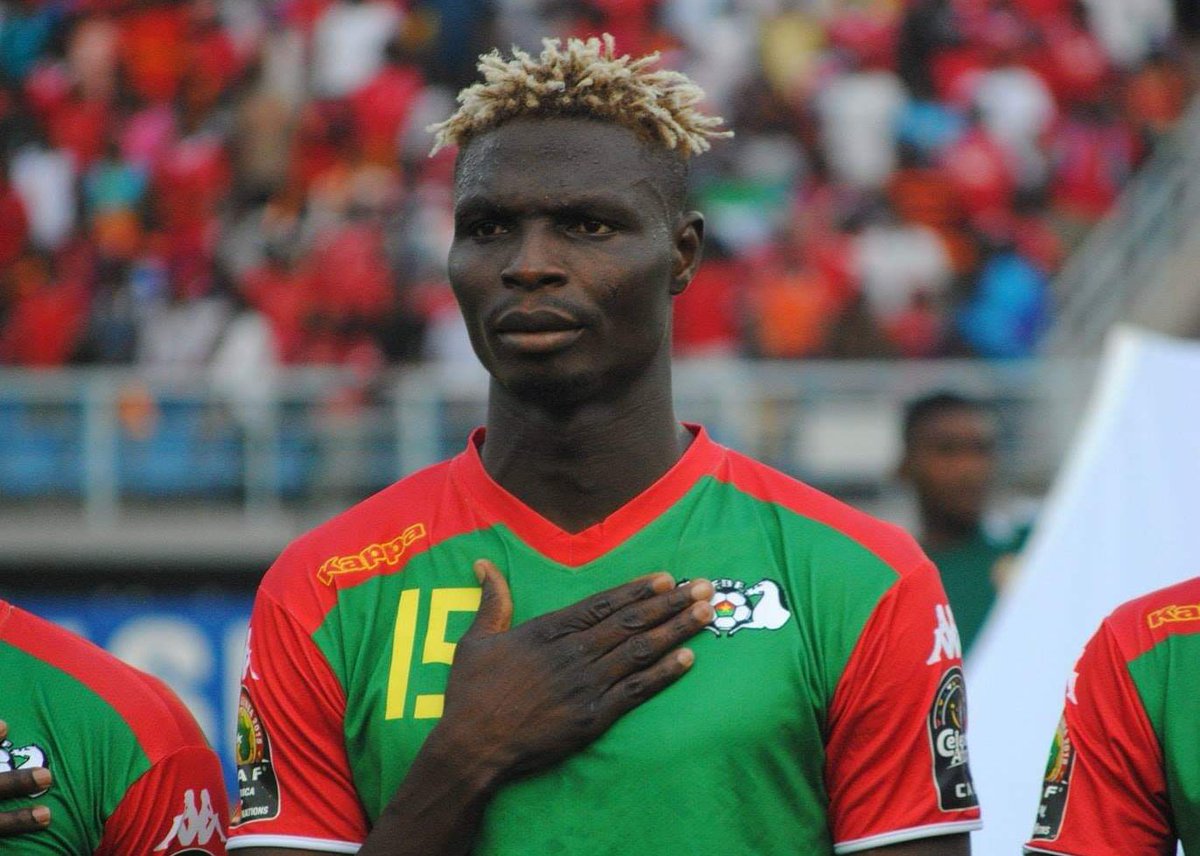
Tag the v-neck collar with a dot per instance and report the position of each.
(575, 549)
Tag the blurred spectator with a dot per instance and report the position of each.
(884, 152)
(349, 41)
(950, 461)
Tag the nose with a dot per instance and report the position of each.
(535, 263)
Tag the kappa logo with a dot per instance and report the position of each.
(1173, 614)
(946, 644)
(195, 826)
(372, 557)
(21, 757)
(738, 606)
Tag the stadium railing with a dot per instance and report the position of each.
(86, 454)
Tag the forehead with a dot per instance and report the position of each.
(552, 159)
(966, 423)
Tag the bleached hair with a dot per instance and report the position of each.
(587, 79)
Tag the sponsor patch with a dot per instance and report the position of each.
(371, 557)
(194, 827)
(1172, 614)
(258, 789)
(1054, 787)
(21, 757)
(948, 740)
(737, 606)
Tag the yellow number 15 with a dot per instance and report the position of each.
(442, 602)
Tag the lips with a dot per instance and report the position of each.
(537, 331)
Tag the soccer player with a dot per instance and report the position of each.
(596, 630)
(98, 757)
(950, 460)
(1123, 777)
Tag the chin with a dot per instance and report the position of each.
(549, 388)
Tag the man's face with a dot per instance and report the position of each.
(951, 460)
(565, 256)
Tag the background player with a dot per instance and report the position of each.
(823, 706)
(1124, 770)
(950, 460)
(131, 770)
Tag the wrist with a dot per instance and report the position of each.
(474, 770)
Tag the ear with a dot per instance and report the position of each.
(689, 249)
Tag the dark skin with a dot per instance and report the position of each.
(569, 247)
(951, 461)
(21, 783)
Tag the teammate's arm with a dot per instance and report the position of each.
(22, 783)
(521, 699)
(948, 845)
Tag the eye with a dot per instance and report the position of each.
(591, 227)
(486, 229)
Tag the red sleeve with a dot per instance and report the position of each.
(1104, 793)
(896, 756)
(294, 778)
(177, 806)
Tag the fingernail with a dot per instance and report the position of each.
(42, 777)
(662, 582)
(480, 569)
(42, 815)
(685, 657)
(702, 590)
(703, 612)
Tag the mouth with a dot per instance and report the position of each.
(539, 331)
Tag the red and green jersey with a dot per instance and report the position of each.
(825, 711)
(132, 770)
(1124, 771)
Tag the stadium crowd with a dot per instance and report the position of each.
(184, 184)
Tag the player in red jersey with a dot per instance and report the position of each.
(395, 704)
(130, 770)
(1124, 772)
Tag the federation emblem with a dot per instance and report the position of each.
(1054, 787)
(738, 606)
(948, 740)
(258, 788)
(20, 757)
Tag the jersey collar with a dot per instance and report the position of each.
(576, 549)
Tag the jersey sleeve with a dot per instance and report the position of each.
(1104, 792)
(896, 765)
(177, 806)
(294, 782)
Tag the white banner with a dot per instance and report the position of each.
(1122, 519)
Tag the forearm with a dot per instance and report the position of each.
(439, 806)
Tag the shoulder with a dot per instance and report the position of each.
(376, 536)
(144, 706)
(1147, 621)
(841, 524)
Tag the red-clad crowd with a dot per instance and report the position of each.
(200, 182)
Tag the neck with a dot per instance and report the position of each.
(940, 531)
(575, 465)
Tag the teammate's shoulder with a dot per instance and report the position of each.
(1143, 622)
(152, 713)
(887, 541)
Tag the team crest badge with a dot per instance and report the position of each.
(761, 606)
(19, 757)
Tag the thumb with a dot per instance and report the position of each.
(495, 606)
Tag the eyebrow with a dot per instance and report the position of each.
(606, 204)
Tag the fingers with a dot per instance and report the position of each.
(591, 611)
(22, 783)
(642, 650)
(636, 688)
(24, 820)
(643, 615)
(495, 604)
